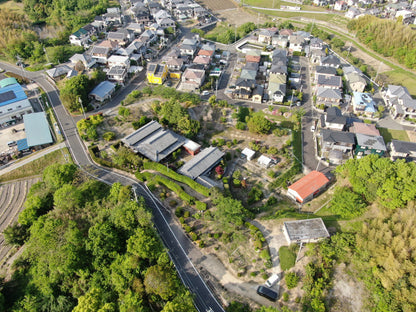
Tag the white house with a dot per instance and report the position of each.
(118, 60)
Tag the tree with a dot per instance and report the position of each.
(144, 244)
(161, 282)
(291, 279)
(15, 234)
(74, 90)
(259, 124)
(57, 175)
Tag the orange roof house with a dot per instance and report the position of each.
(306, 188)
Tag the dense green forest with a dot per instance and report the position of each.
(89, 247)
(387, 37)
(17, 35)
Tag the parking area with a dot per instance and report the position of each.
(11, 134)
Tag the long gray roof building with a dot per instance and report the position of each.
(202, 162)
(154, 142)
(305, 231)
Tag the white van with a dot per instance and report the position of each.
(272, 280)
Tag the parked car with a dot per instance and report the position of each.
(273, 279)
(267, 293)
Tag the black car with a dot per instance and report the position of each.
(267, 293)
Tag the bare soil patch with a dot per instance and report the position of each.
(411, 135)
(368, 59)
(218, 5)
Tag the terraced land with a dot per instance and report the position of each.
(12, 198)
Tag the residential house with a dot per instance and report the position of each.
(136, 28)
(112, 45)
(103, 91)
(364, 128)
(401, 104)
(277, 91)
(113, 16)
(157, 73)
(369, 144)
(337, 146)
(363, 103)
(207, 50)
(305, 231)
(167, 22)
(279, 55)
(280, 41)
(248, 74)
(328, 96)
(340, 5)
(306, 188)
(142, 16)
(264, 161)
(147, 37)
(14, 103)
(118, 60)
(154, 7)
(329, 82)
(244, 88)
(334, 119)
(100, 54)
(330, 60)
(192, 79)
(277, 78)
(278, 70)
(160, 15)
(58, 72)
(83, 58)
(80, 37)
(122, 36)
(316, 44)
(352, 13)
(356, 82)
(315, 55)
(99, 23)
(402, 150)
(253, 56)
(265, 36)
(117, 74)
(188, 47)
(257, 96)
(202, 60)
(324, 71)
(248, 153)
(202, 163)
(192, 147)
(286, 32)
(296, 43)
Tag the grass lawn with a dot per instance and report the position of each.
(404, 78)
(390, 134)
(321, 17)
(36, 167)
(13, 6)
(287, 257)
(263, 3)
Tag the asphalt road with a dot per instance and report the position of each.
(176, 242)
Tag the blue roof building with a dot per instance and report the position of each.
(363, 103)
(11, 93)
(37, 129)
(103, 91)
(13, 102)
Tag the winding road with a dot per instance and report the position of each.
(180, 249)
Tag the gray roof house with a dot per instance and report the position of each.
(334, 119)
(305, 231)
(202, 162)
(356, 82)
(331, 61)
(369, 144)
(330, 82)
(328, 96)
(402, 105)
(103, 91)
(154, 142)
(402, 150)
(248, 74)
(337, 146)
(324, 71)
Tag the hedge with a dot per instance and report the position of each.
(168, 183)
(177, 177)
(94, 150)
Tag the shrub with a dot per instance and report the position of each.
(179, 211)
(217, 235)
(271, 174)
(201, 244)
(182, 220)
(292, 280)
(253, 274)
(240, 125)
(200, 206)
(187, 228)
(186, 214)
(285, 296)
(265, 276)
(193, 236)
(265, 254)
(108, 136)
(236, 183)
(173, 203)
(228, 156)
(255, 195)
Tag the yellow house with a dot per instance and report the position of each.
(175, 75)
(157, 73)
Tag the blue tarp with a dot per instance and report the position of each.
(22, 144)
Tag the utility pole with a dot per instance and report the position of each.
(82, 107)
(300, 248)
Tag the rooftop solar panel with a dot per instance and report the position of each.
(7, 96)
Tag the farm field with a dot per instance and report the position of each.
(218, 5)
(13, 196)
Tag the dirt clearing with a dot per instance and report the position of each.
(367, 59)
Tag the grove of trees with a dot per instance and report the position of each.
(387, 37)
(89, 247)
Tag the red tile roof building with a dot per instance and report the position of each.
(306, 188)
